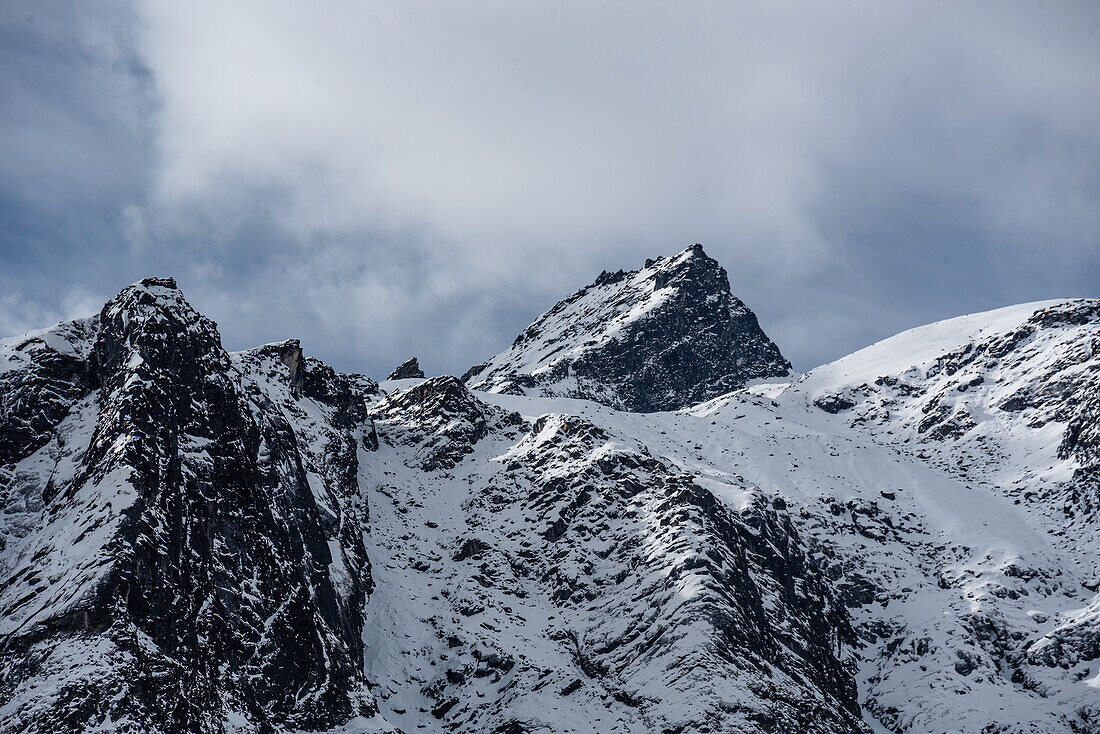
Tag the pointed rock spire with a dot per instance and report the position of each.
(407, 370)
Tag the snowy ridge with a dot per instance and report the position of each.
(1004, 403)
(921, 346)
(1005, 398)
(551, 577)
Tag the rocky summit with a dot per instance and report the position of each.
(182, 544)
(663, 337)
(636, 519)
(407, 370)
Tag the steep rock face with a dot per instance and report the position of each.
(332, 432)
(174, 570)
(660, 338)
(553, 576)
(42, 375)
(407, 370)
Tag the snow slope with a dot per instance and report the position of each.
(549, 574)
(1005, 404)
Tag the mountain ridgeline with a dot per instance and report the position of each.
(634, 519)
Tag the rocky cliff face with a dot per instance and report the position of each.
(660, 338)
(179, 562)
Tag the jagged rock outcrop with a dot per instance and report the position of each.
(45, 373)
(660, 338)
(407, 370)
(174, 565)
(444, 421)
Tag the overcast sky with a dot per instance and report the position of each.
(390, 179)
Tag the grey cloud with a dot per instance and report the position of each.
(386, 179)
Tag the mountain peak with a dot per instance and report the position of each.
(193, 540)
(665, 336)
(161, 282)
(190, 528)
(407, 370)
(692, 251)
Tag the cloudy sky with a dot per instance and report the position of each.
(383, 179)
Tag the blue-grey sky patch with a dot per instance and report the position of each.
(389, 179)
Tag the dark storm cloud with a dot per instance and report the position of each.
(390, 179)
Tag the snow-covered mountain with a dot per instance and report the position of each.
(546, 572)
(904, 540)
(1005, 404)
(663, 337)
(181, 543)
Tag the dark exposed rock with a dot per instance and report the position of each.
(445, 412)
(1015, 404)
(211, 591)
(966, 663)
(660, 338)
(572, 687)
(1082, 435)
(473, 372)
(834, 403)
(470, 548)
(407, 370)
(290, 354)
